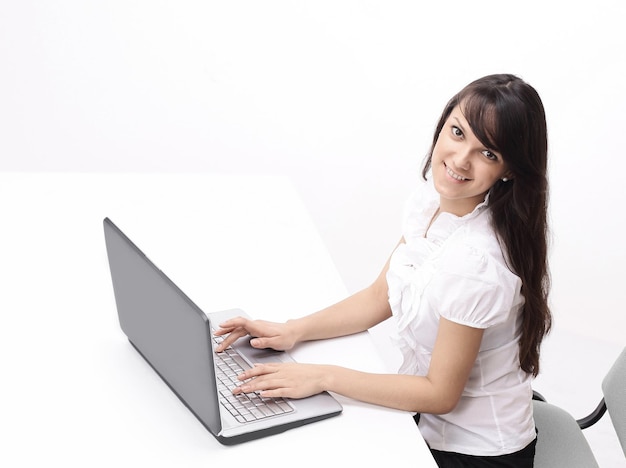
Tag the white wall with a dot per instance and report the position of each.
(342, 96)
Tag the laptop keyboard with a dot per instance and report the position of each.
(245, 407)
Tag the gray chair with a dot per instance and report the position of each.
(560, 441)
(614, 390)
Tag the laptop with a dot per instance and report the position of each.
(175, 337)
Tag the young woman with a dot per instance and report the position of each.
(467, 284)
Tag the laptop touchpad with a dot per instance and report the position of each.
(258, 356)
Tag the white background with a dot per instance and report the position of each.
(342, 97)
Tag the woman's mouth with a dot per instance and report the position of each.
(454, 175)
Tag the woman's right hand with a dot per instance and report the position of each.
(278, 336)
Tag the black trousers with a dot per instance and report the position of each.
(524, 458)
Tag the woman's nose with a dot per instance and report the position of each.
(462, 159)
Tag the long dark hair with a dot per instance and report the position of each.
(507, 116)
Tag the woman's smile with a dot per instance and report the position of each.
(454, 175)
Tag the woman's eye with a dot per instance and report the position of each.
(489, 155)
(456, 131)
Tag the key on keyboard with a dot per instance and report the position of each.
(245, 407)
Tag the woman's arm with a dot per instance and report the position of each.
(356, 313)
(438, 392)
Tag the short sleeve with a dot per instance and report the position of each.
(473, 288)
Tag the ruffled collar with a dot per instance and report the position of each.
(446, 223)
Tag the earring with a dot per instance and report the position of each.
(505, 179)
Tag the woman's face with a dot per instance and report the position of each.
(463, 168)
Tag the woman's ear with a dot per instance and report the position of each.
(507, 176)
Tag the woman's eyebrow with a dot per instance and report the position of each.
(460, 125)
(458, 122)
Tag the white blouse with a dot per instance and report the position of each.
(459, 272)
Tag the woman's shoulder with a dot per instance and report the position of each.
(419, 209)
(477, 244)
(422, 196)
(474, 267)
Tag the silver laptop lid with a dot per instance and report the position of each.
(165, 326)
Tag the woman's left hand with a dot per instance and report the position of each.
(289, 380)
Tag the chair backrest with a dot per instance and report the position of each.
(560, 441)
(614, 389)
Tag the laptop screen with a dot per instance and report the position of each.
(165, 326)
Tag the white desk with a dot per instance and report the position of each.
(76, 393)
